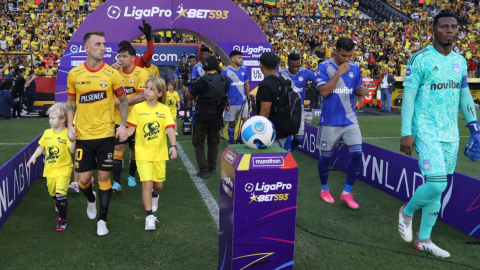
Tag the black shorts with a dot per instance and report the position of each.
(130, 140)
(94, 154)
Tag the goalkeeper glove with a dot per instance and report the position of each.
(146, 30)
(472, 150)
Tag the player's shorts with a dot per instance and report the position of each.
(151, 170)
(130, 140)
(436, 158)
(328, 136)
(58, 184)
(235, 111)
(94, 154)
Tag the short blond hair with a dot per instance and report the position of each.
(159, 86)
(59, 108)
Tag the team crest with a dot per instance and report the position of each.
(300, 79)
(427, 165)
(103, 83)
(132, 81)
(456, 68)
(350, 74)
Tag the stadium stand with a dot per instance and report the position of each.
(386, 32)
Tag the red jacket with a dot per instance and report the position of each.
(472, 66)
(147, 56)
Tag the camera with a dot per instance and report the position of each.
(185, 71)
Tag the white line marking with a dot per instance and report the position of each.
(13, 143)
(207, 197)
(379, 138)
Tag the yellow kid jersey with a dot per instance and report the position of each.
(133, 83)
(94, 91)
(152, 71)
(58, 159)
(172, 99)
(150, 137)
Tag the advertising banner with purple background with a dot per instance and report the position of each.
(399, 176)
(220, 23)
(16, 179)
(258, 201)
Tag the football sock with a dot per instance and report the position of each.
(353, 168)
(133, 167)
(288, 143)
(117, 170)
(323, 168)
(149, 212)
(427, 196)
(105, 194)
(296, 141)
(61, 202)
(87, 190)
(117, 165)
(231, 134)
(154, 195)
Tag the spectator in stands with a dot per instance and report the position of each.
(41, 71)
(387, 87)
(472, 68)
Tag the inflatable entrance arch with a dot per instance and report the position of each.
(220, 23)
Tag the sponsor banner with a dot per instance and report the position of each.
(399, 176)
(215, 22)
(317, 112)
(16, 179)
(166, 55)
(257, 209)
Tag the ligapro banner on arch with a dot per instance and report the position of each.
(221, 21)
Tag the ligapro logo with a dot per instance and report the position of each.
(268, 161)
(114, 12)
(251, 50)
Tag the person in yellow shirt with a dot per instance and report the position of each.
(328, 53)
(134, 80)
(40, 71)
(173, 101)
(58, 160)
(152, 70)
(152, 118)
(51, 5)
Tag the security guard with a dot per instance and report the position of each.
(211, 91)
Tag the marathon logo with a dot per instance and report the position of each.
(343, 90)
(267, 161)
(448, 85)
(230, 157)
(129, 90)
(93, 96)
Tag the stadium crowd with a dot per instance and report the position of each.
(307, 27)
(35, 36)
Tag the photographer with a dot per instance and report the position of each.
(211, 91)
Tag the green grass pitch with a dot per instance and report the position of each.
(327, 236)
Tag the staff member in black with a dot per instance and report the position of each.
(211, 91)
(18, 90)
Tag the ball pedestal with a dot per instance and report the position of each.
(258, 201)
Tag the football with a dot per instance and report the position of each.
(258, 132)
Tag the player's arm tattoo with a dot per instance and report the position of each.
(469, 109)
(71, 108)
(123, 109)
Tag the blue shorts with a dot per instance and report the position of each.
(436, 158)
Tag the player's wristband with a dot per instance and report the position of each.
(173, 145)
(474, 127)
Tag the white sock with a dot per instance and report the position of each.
(344, 192)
